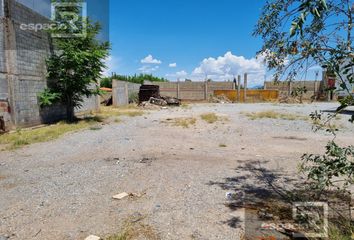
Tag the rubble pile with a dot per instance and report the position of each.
(220, 99)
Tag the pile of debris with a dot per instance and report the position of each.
(220, 99)
(288, 99)
(150, 95)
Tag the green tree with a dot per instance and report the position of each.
(299, 34)
(75, 68)
(139, 78)
(106, 82)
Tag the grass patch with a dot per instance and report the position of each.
(222, 145)
(274, 115)
(129, 111)
(96, 128)
(209, 117)
(340, 232)
(135, 231)
(181, 122)
(21, 138)
(25, 137)
(212, 118)
(185, 106)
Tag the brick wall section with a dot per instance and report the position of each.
(23, 69)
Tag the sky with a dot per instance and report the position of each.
(185, 39)
(179, 39)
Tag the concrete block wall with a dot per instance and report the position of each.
(90, 104)
(23, 55)
(213, 86)
(191, 90)
(286, 88)
(121, 91)
(167, 89)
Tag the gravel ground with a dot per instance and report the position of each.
(63, 189)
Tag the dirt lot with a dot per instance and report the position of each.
(63, 189)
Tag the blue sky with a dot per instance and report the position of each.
(184, 32)
(179, 39)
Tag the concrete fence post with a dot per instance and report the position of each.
(290, 88)
(178, 90)
(126, 93)
(114, 93)
(245, 87)
(238, 88)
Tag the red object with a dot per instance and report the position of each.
(331, 82)
(106, 89)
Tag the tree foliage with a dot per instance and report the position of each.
(299, 34)
(335, 166)
(47, 98)
(106, 82)
(75, 68)
(139, 79)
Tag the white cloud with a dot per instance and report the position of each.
(172, 65)
(178, 75)
(111, 63)
(148, 69)
(226, 67)
(150, 60)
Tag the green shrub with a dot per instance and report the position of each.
(47, 98)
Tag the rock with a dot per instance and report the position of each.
(264, 214)
(121, 196)
(234, 196)
(92, 237)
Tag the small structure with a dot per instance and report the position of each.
(148, 91)
(151, 94)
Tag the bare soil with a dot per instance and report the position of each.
(180, 176)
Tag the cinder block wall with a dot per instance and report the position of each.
(286, 88)
(23, 68)
(191, 90)
(121, 91)
(4, 87)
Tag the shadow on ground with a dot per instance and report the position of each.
(268, 195)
